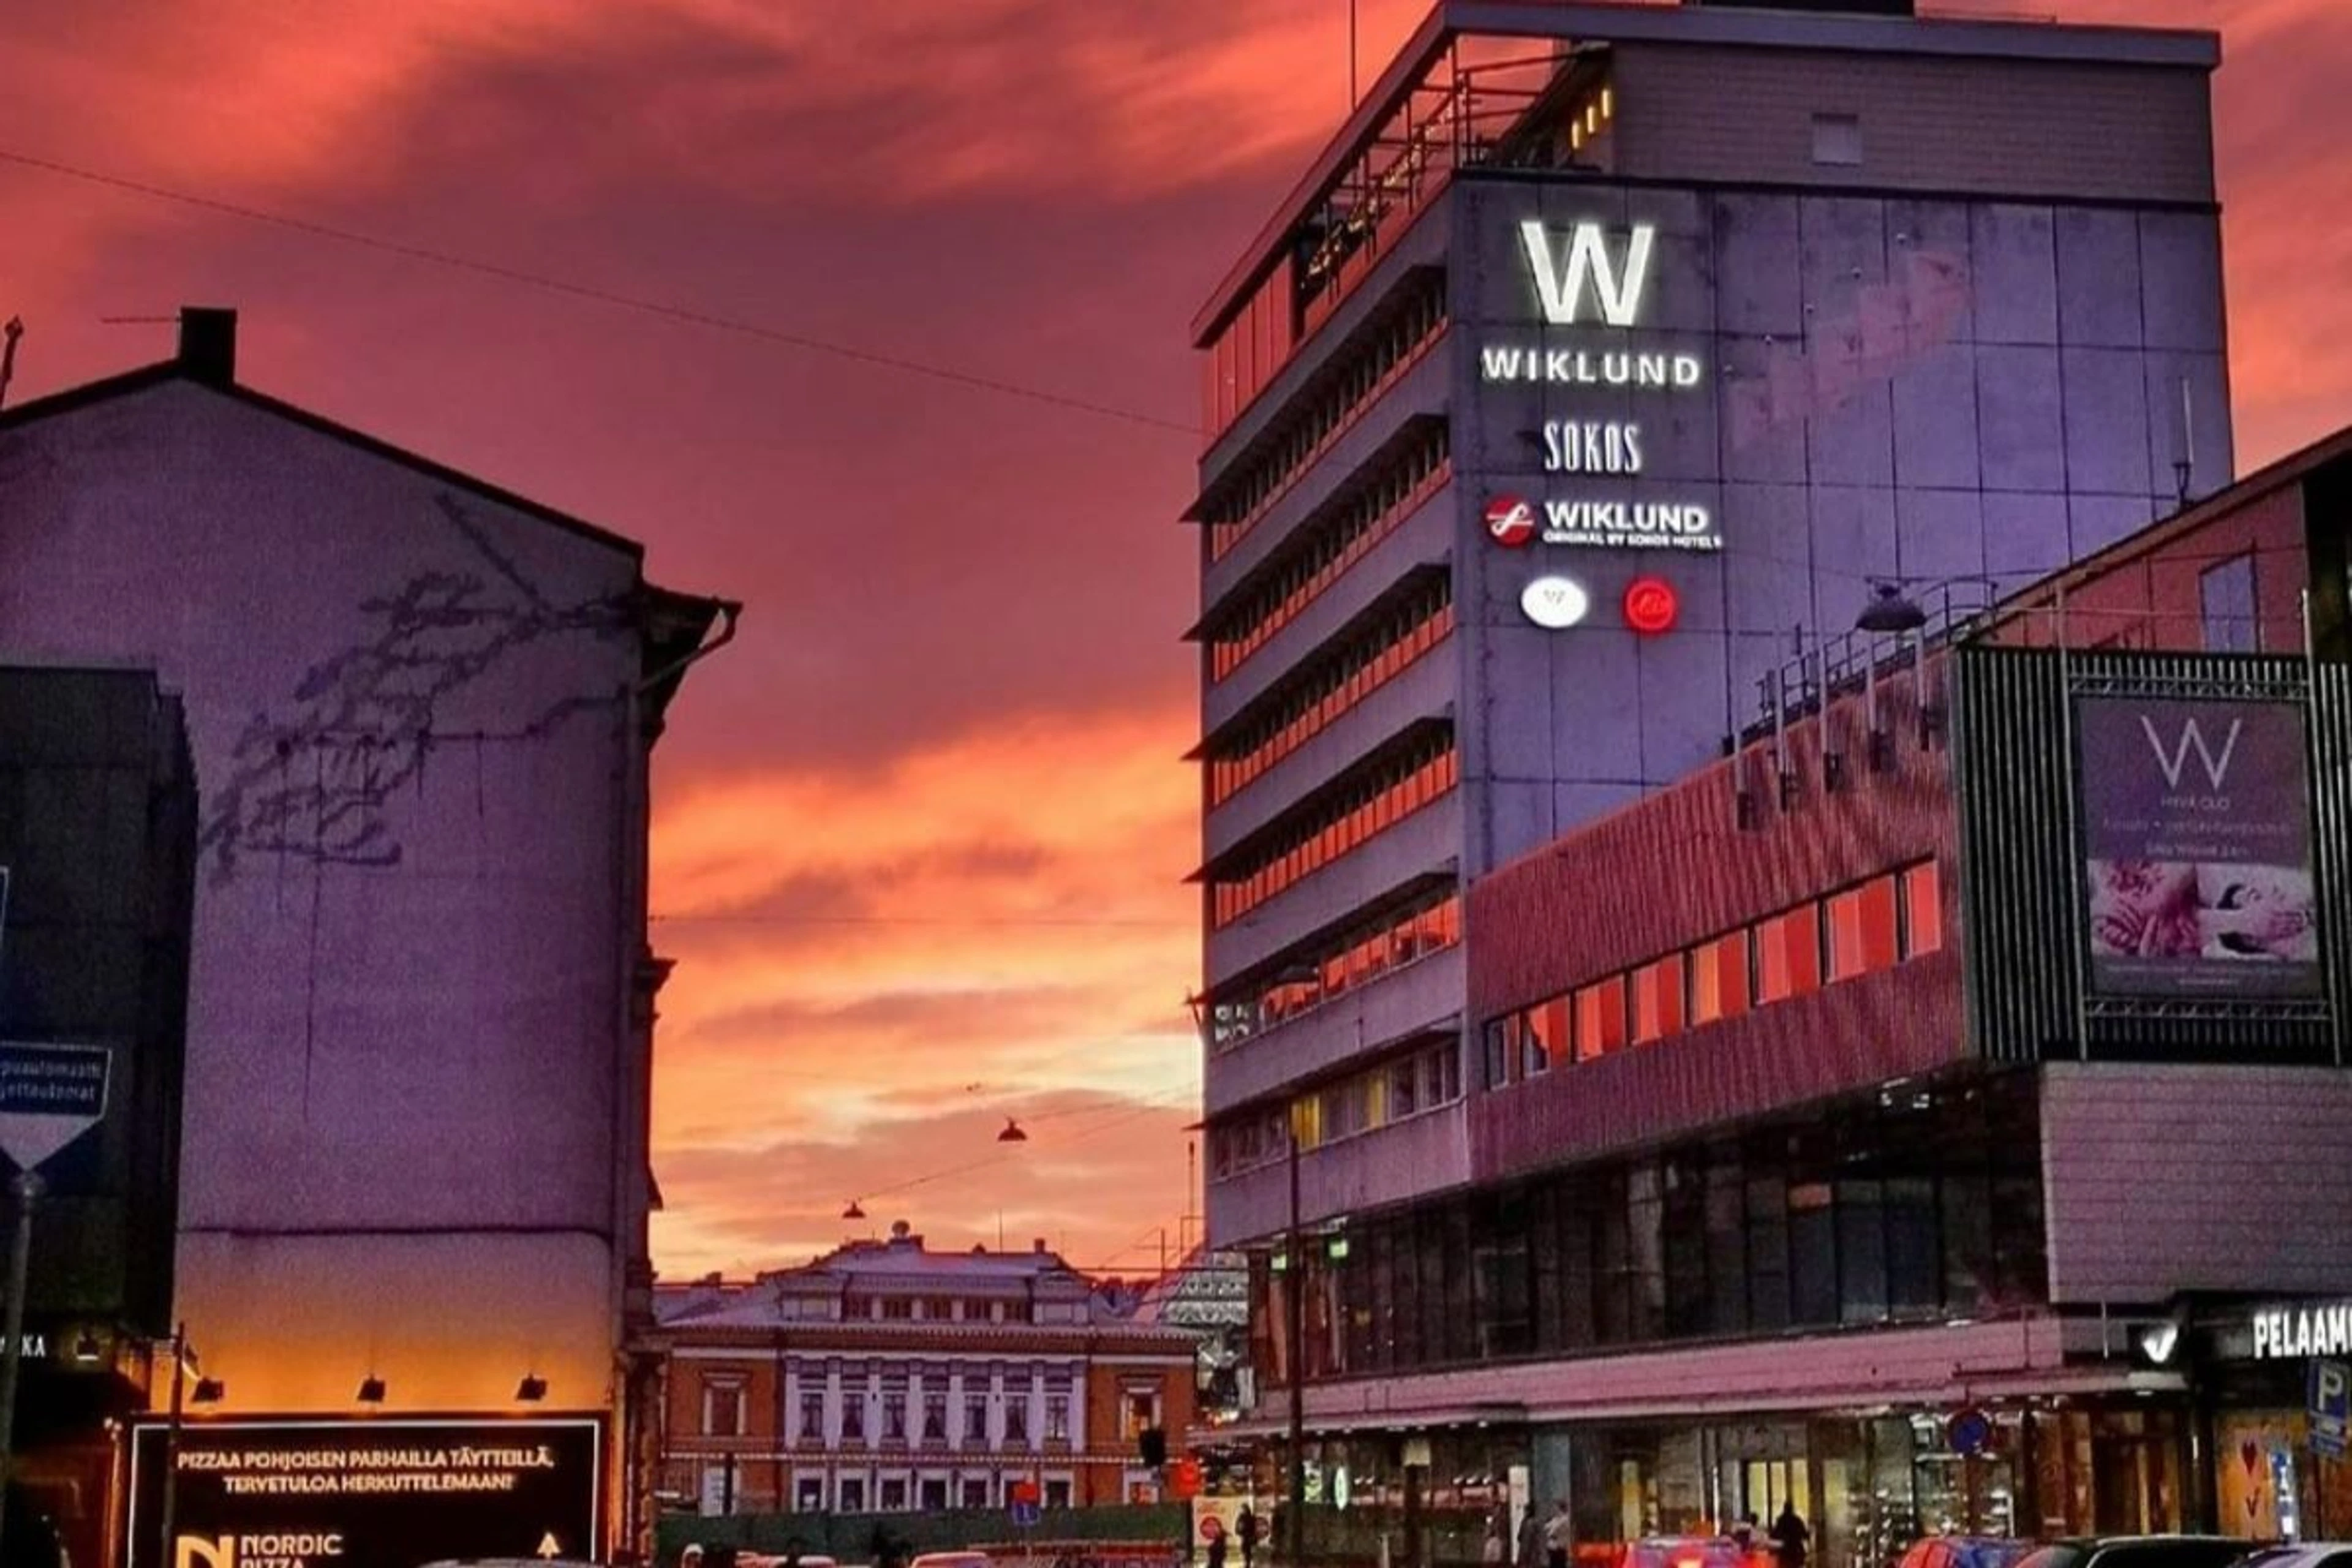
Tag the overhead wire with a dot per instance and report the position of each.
(614, 298)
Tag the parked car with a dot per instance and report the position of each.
(2137, 1551)
(2305, 1554)
(951, 1559)
(1967, 1551)
(1693, 1551)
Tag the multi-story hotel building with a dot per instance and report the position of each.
(887, 1378)
(1926, 1117)
(1606, 353)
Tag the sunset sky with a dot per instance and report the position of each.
(920, 832)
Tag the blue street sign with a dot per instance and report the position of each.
(1970, 1432)
(1024, 1515)
(2331, 1407)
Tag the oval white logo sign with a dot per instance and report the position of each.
(1555, 603)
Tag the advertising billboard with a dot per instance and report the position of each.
(367, 1494)
(2197, 840)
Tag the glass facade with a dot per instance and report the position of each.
(1409, 931)
(1910, 1206)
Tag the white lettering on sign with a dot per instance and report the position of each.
(1631, 524)
(289, 1549)
(2176, 761)
(1616, 284)
(1591, 446)
(2292, 1334)
(1581, 367)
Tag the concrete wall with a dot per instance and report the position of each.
(406, 1052)
(2008, 127)
(1921, 388)
(2161, 1179)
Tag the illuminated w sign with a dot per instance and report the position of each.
(2176, 761)
(1561, 286)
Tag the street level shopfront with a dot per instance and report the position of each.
(1867, 1482)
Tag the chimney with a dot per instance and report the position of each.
(1039, 1246)
(208, 344)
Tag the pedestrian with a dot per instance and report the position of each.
(1744, 1532)
(1556, 1531)
(1790, 1537)
(1217, 1550)
(1491, 1550)
(1245, 1526)
(1531, 1540)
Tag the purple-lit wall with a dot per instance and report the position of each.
(415, 1138)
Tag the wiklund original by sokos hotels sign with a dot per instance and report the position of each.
(367, 1494)
(1588, 277)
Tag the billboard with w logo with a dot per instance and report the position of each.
(2196, 831)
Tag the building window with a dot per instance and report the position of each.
(1057, 1494)
(975, 1419)
(898, 1309)
(812, 1415)
(1058, 1419)
(722, 1407)
(1863, 935)
(1922, 910)
(2225, 595)
(894, 1417)
(894, 1496)
(1138, 1412)
(935, 1494)
(1658, 999)
(975, 1493)
(1018, 1312)
(853, 1494)
(808, 1494)
(1837, 140)
(935, 1417)
(853, 1418)
(1600, 1018)
(1789, 954)
(939, 1308)
(1016, 1418)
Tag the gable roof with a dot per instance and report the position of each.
(73, 399)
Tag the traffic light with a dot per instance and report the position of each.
(1154, 1444)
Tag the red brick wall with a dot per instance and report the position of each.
(1676, 869)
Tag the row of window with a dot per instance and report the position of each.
(1335, 683)
(1925, 1208)
(723, 1412)
(1394, 1090)
(1872, 926)
(1336, 542)
(1343, 393)
(1381, 800)
(1428, 925)
(936, 1310)
(737, 1490)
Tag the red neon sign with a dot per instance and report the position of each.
(1651, 606)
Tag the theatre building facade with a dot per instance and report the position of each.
(1889, 1120)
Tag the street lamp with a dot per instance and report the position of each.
(1891, 611)
(1011, 1133)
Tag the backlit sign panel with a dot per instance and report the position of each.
(368, 1494)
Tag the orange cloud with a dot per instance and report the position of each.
(880, 962)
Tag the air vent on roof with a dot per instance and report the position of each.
(208, 344)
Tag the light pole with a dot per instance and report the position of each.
(1296, 1300)
(172, 1442)
(27, 1190)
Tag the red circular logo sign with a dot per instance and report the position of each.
(1510, 520)
(1211, 1527)
(1651, 606)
